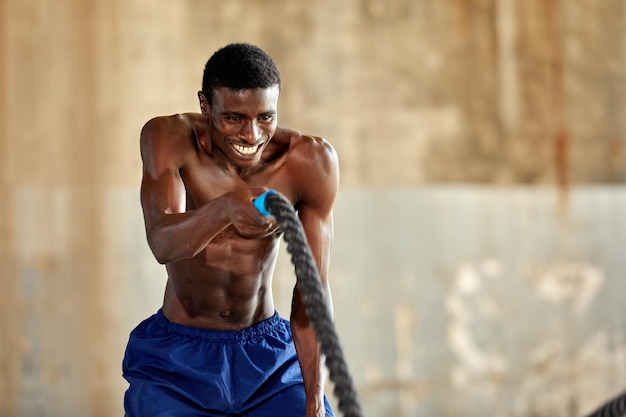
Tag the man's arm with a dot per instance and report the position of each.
(173, 232)
(320, 184)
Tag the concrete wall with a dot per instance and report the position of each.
(478, 266)
(475, 301)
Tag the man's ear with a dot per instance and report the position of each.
(204, 103)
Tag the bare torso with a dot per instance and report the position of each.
(227, 285)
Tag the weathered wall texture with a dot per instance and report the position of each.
(482, 301)
(478, 264)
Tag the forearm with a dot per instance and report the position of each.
(180, 236)
(310, 357)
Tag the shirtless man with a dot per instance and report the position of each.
(218, 347)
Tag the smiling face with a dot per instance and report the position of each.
(242, 122)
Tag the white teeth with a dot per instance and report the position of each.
(246, 150)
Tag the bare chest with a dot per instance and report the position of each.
(205, 182)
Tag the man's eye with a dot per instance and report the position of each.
(267, 117)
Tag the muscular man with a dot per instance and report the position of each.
(218, 347)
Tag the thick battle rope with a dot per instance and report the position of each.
(615, 407)
(309, 285)
(308, 282)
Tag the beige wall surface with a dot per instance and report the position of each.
(480, 226)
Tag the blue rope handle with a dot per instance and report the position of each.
(259, 202)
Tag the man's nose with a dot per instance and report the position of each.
(250, 132)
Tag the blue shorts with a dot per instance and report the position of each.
(183, 371)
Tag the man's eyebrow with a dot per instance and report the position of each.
(234, 113)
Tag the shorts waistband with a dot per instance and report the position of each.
(260, 329)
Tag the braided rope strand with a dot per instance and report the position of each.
(615, 407)
(308, 283)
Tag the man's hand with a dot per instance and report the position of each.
(245, 218)
(315, 407)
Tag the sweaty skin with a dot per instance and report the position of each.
(201, 172)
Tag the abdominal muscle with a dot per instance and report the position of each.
(227, 286)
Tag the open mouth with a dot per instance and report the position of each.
(246, 150)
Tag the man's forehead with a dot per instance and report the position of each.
(225, 95)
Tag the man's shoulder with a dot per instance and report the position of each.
(313, 168)
(175, 130)
(310, 154)
(311, 145)
(171, 124)
(169, 138)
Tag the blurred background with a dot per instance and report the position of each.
(478, 266)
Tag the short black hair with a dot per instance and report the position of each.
(239, 66)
